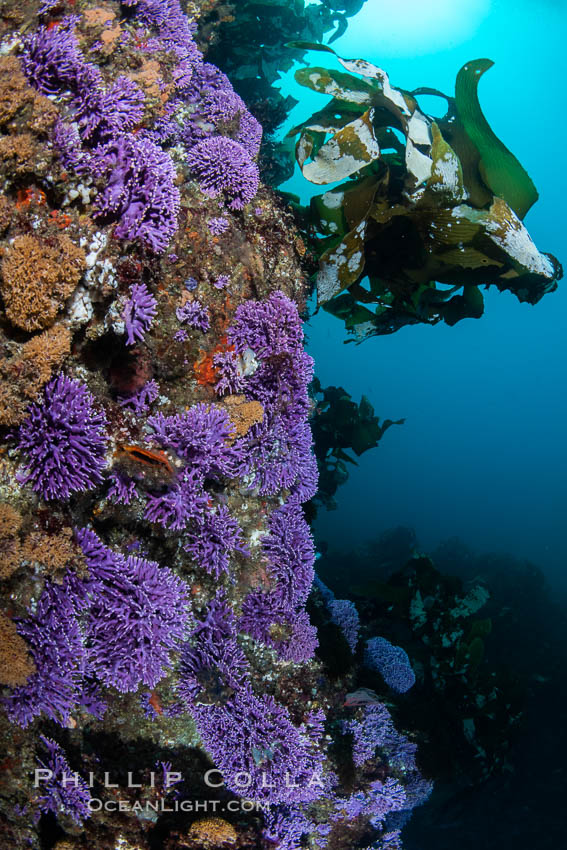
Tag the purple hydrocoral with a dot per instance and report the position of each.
(284, 827)
(54, 65)
(229, 367)
(138, 614)
(373, 731)
(175, 32)
(376, 731)
(343, 612)
(52, 61)
(56, 642)
(392, 663)
(270, 328)
(200, 436)
(139, 312)
(218, 225)
(291, 555)
(277, 453)
(140, 190)
(212, 663)
(376, 803)
(211, 540)
(140, 401)
(64, 440)
(246, 735)
(122, 490)
(183, 503)
(194, 314)
(110, 113)
(222, 281)
(288, 630)
(222, 165)
(62, 791)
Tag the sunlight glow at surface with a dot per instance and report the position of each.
(413, 27)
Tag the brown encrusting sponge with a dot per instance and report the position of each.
(15, 662)
(38, 275)
(10, 551)
(25, 369)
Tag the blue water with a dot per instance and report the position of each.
(483, 454)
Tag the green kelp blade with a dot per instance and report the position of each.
(359, 196)
(366, 69)
(350, 149)
(336, 84)
(345, 307)
(341, 265)
(469, 305)
(501, 171)
(331, 118)
(327, 213)
(445, 183)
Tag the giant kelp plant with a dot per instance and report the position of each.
(339, 424)
(250, 46)
(426, 211)
(156, 558)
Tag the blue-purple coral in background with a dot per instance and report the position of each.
(392, 663)
(63, 440)
(139, 313)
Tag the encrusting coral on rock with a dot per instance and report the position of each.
(158, 457)
(16, 664)
(37, 279)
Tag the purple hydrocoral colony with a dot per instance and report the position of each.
(213, 538)
(194, 314)
(392, 663)
(52, 61)
(200, 436)
(140, 190)
(222, 165)
(175, 32)
(343, 612)
(277, 453)
(246, 735)
(122, 490)
(284, 827)
(110, 113)
(61, 790)
(140, 178)
(54, 64)
(373, 731)
(64, 440)
(139, 313)
(291, 555)
(228, 366)
(376, 803)
(183, 503)
(141, 400)
(118, 624)
(56, 643)
(138, 614)
(218, 225)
